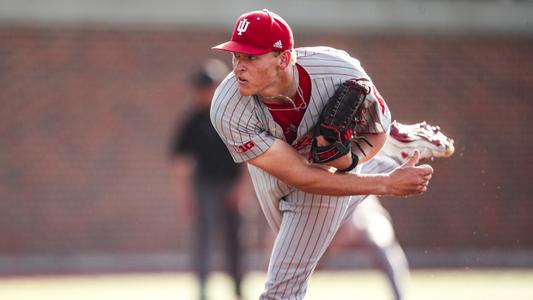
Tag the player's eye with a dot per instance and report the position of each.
(244, 56)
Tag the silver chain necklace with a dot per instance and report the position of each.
(299, 91)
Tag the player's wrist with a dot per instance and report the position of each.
(383, 184)
(342, 164)
(373, 184)
(354, 161)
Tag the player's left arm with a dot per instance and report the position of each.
(377, 140)
(374, 125)
(364, 152)
(371, 131)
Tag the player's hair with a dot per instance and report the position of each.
(293, 55)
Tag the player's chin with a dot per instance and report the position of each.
(245, 88)
(244, 91)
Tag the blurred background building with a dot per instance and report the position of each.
(90, 91)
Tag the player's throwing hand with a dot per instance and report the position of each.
(409, 178)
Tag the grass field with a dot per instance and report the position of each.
(427, 284)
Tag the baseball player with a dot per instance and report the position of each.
(266, 111)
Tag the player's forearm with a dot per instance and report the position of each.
(283, 162)
(316, 180)
(406, 180)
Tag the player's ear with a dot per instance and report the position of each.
(285, 59)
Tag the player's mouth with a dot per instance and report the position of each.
(244, 86)
(241, 80)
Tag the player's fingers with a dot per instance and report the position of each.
(423, 186)
(419, 189)
(426, 169)
(427, 176)
(422, 183)
(413, 160)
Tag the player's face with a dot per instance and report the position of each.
(257, 74)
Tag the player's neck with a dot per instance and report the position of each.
(287, 88)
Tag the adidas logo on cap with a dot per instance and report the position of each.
(278, 44)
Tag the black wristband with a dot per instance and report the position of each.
(355, 161)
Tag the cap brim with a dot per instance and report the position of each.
(233, 46)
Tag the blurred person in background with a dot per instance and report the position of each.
(217, 183)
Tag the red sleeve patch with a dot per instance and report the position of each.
(245, 147)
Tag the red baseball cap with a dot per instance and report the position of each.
(259, 32)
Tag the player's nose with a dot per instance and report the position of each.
(239, 69)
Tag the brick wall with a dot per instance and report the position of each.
(85, 117)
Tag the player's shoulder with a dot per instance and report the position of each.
(227, 101)
(227, 89)
(322, 60)
(318, 50)
(325, 53)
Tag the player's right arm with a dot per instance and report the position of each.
(285, 163)
(245, 133)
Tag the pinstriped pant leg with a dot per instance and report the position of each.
(269, 190)
(308, 226)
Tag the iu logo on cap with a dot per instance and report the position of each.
(243, 25)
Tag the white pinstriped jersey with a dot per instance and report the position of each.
(305, 223)
(248, 129)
